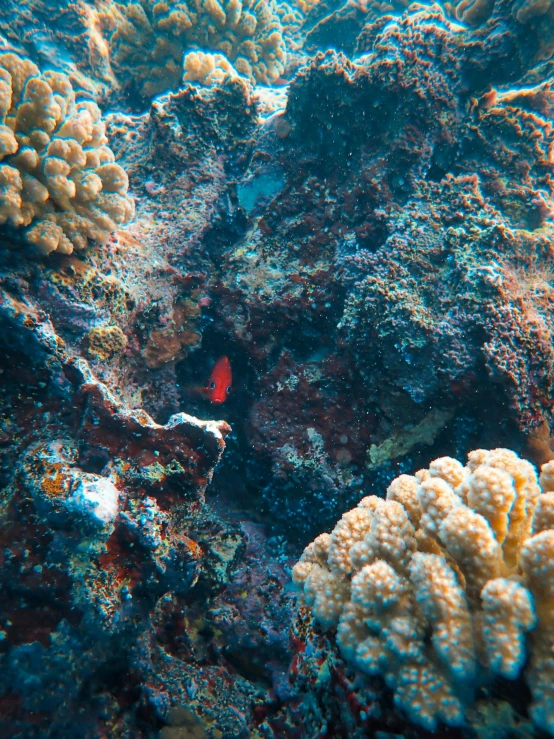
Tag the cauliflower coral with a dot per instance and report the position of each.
(150, 38)
(447, 582)
(207, 69)
(58, 178)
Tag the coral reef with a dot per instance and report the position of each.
(439, 586)
(65, 36)
(399, 216)
(105, 532)
(104, 341)
(137, 625)
(150, 38)
(366, 234)
(58, 178)
(532, 23)
(208, 69)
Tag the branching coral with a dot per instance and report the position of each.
(438, 587)
(207, 69)
(57, 174)
(151, 37)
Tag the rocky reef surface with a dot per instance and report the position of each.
(353, 203)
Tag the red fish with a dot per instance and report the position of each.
(219, 385)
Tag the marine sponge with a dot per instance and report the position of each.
(150, 38)
(447, 582)
(58, 178)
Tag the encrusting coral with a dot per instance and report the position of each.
(535, 16)
(104, 341)
(150, 38)
(58, 177)
(447, 582)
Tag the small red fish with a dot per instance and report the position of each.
(219, 385)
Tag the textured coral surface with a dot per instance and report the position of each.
(57, 174)
(443, 585)
(352, 202)
(149, 39)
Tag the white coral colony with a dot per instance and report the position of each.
(58, 178)
(464, 554)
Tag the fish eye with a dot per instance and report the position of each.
(212, 385)
(228, 388)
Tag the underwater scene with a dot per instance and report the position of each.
(276, 369)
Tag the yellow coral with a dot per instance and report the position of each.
(58, 178)
(448, 581)
(444, 606)
(242, 36)
(543, 517)
(352, 528)
(508, 614)
(306, 6)
(448, 469)
(103, 342)
(207, 69)
(546, 478)
(403, 489)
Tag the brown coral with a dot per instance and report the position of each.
(476, 577)
(150, 38)
(58, 178)
(105, 341)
